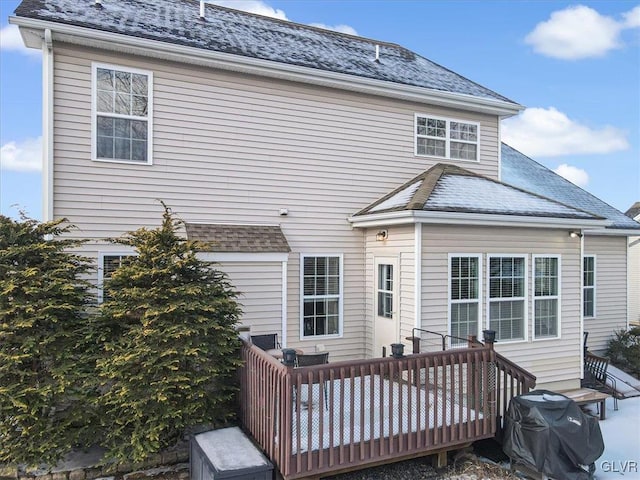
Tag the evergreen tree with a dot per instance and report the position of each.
(42, 330)
(170, 346)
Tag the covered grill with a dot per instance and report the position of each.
(549, 433)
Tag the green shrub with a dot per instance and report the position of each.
(624, 350)
(167, 327)
(42, 368)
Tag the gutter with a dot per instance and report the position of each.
(121, 43)
(479, 219)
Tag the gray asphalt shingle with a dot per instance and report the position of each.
(447, 188)
(523, 172)
(239, 238)
(240, 33)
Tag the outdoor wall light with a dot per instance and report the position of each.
(575, 234)
(382, 235)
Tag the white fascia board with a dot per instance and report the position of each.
(614, 232)
(222, 257)
(480, 219)
(88, 37)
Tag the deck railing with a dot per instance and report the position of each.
(323, 419)
(511, 380)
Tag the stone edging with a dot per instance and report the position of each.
(171, 465)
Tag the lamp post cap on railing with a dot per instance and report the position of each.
(397, 350)
(288, 357)
(489, 337)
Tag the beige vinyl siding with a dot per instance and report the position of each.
(236, 148)
(399, 245)
(611, 289)
(634, 280)
(230, 148)
(260, 294)
(551, 360)
(237, 140)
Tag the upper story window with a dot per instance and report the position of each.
(122, 109)
(321, 295)
(589, 286)
(507, 297)
(446, 138)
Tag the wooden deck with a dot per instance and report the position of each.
(320, 420)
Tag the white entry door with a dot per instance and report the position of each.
(386, 304)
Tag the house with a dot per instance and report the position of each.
(354, 190)
(634, 269)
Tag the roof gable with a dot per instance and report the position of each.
(634, 211)
(249, 35)
(448, 188)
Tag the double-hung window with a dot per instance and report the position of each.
(446, 138)
(546, 296)
(121, 114)
(321, 295)
(464, 297)
(109, 263)
(589, 286)
(507, 297)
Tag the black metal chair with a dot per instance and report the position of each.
(310, 359)
(267, 341)
(597, 378)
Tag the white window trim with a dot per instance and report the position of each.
(94, 112)
(557, 297)
(447, 138)
(340, 256)
(450, 302)
(525, 298)
(594, 287)
(101, 255)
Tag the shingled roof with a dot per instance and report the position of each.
(523, 172)
(447, 188)
(241, 33)
(634, 210)
(239, 238)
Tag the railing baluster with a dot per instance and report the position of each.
(411, 405)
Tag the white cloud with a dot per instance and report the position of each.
(540, 132)
(336, 28)
(580, 32)
(252, 6)
(11, 40)
(575, 175)
(25, 156)
(632, 18)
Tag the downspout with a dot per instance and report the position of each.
(628, 284)
(417, 242)
(581, 270)
(284, 304)
(47, 126)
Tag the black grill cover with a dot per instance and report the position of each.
(548, 432)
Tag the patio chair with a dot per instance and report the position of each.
(597, 378)
(309, 359)
(267, 341)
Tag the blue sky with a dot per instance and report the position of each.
(575, 66)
